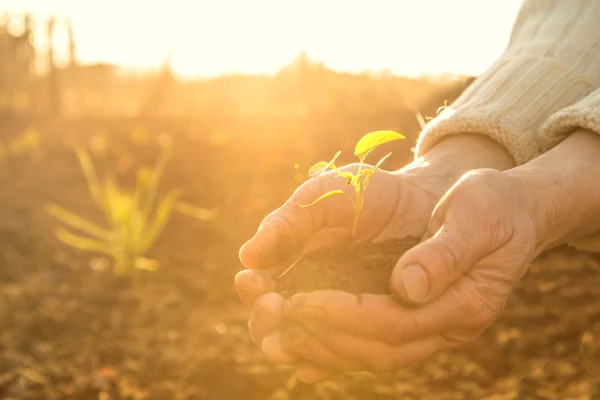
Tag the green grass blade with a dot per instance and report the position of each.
(162, 162)
(77, 222)
(81, 242)
(91, 177)
(200, 213)
(154, 180)
(162, 216)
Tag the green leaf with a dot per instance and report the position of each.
(162, 215)
(372, 140)
(89, 171)
(347, 175)
(323, 166)
(200, 213)
(81, 242)
(317, 169)
(326, 195)
(77, 222)
(370, 172)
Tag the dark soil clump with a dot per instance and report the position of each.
(363, 268)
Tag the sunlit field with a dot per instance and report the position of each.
(126, 194)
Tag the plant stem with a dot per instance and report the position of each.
(289, 268)
(357, 209)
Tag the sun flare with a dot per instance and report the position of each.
(208, 38)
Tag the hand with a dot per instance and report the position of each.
(481, 240)
(397, 204)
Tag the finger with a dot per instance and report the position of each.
(468, 224)
(308, 372)
(266, 316)
(460, 238)
(371, 316)
(287, 230)
(298, 341)
(379, 357)
(424, 272)
(251, 284)
(272, 348)
(284, 231)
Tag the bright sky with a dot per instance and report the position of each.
(211, 37)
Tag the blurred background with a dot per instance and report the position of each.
(141, 143)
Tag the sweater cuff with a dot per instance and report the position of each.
(584, 114)
(508, 103)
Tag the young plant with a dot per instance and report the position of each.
(360, 180)
(134, 221)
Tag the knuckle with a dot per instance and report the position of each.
(435, 223)
(477, 185)
(402, 328)
(478, 313)
(450, 257)
(470, 197)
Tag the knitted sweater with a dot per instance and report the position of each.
(543, 87)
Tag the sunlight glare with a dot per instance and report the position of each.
(207, 38)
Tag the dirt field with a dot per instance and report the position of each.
(70, 331)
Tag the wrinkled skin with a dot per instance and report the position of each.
(481, 229)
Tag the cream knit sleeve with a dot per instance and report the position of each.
(551, 62)
(584, 114)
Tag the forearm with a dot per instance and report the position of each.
(466, 152)
(563, 190)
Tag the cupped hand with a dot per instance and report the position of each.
(480, 241)
(396, 204)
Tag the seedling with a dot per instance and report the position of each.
(360, 180)
(135, 217)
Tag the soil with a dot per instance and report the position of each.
(70, 330)
(363, 268)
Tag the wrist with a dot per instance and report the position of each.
(561, 190)
(443, 165)
(459, 154)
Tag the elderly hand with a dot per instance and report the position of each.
(397, 204)
(481, 240)
(483, 235)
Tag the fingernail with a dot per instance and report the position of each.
(253, 282)
(246, 293)
(271, 303)
(416, 283)
(295, 302)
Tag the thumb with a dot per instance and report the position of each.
(424, 272)
(284, 232)
(279, 236)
